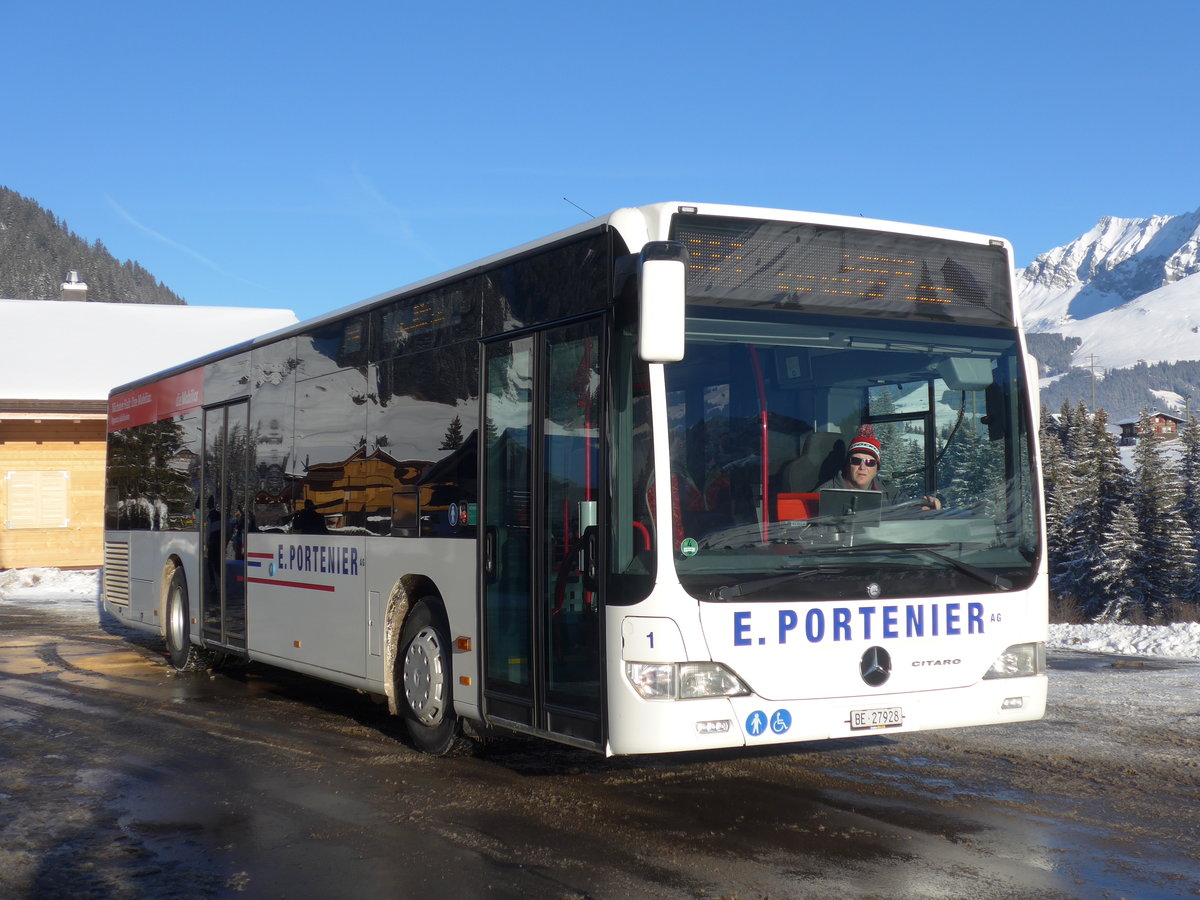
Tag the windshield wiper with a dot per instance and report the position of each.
(999, 582)
(728, 592)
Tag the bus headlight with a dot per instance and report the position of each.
(708, 679)
(684, 681)
(1018, 661)
(654, 681)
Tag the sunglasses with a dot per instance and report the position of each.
(867, 461)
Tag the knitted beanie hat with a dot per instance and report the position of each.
(866, 442)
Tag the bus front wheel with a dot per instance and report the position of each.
(425, 676)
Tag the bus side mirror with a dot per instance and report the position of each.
(662, 289)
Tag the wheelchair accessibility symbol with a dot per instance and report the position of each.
(757, 722)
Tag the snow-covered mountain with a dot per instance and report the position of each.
(1129, 288)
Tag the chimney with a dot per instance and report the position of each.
(73, 288)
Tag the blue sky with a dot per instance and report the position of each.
(308, 156)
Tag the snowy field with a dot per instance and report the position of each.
(1181, 641)
(50, 584)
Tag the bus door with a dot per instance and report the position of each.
(223, 546)
(541, 601)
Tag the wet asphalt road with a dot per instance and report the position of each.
(120, 778)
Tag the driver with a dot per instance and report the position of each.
(862, 468)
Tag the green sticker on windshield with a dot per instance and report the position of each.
(689, 547)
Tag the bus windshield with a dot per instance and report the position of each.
(761, 415)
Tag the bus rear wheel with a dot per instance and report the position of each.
(183, 654)
(425, 682)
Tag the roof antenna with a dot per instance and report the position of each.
(580, 208)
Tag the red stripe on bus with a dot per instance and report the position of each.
(295, 584)
(261, 555)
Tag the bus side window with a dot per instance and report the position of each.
(631, 458)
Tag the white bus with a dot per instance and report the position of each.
(580, 490)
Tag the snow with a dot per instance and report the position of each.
(1160, 326)
(44, 584)
(1178, 641)
(1128, 288)
(74, 350)
(1171, 401)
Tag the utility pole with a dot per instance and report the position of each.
(1093, 366)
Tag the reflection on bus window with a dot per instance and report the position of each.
(153, 476)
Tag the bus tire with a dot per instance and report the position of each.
(426, 686)
(182, 653)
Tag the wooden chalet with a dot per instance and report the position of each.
(1163, 424)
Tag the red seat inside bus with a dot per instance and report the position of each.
(797, 506)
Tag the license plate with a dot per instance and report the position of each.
(863, 719)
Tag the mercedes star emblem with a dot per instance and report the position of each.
(876, 666)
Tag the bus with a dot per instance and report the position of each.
(582, 490)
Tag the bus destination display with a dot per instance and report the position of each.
(746, 262)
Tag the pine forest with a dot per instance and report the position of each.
(37, 250)
(1124, 543)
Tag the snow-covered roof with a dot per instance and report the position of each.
(73, 350)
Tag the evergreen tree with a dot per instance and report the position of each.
(1079, 495)
(454, 435)
(1092, 568)
(1080, 433)
(1073, 490)
(1189, 507)
(971, 471)
(1113, 574)
(1055, 467)
(1068, 427)
(1165, 566)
